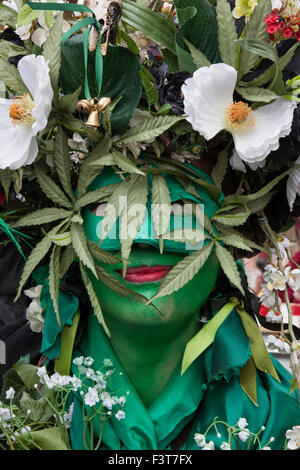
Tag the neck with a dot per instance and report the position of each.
(151, 356)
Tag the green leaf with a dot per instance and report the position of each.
(91, 166)
(133, 216)
(219, 171)
(262, 95)
(235, 240)
(161, 205)
(51, 189)
(79, 243)
(11, 77)
(256, 30)
(61, 239)
(150, 90)
(68, 103)
(8, 16)
(131, 44)
(229, 266)
(125, 163)
(148, 129)
(51, 51)
(227, 34)
(121, 78)
(45, 439)
(62, 161)
(27, 373)
(100, 194)
(36, 255)
(152, 24)
(54, 274)
(183, 271)
(26, 15)
(259, 48)
(198, 57)
(198, 25)
(101, 255)
(67, 258)
(43, 216)
(93, 299)
(40, 410)
(10, 49)
(233, 218)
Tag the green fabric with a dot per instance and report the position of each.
(209, 388)
(68, 305)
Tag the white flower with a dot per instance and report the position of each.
(10, 393)
(88, 361)
(200, 439)
(282, 244)
(274, 277)
(275, 344)
(34, 292)
(291, 7)
(293, 185)
(108, 363)
(23, 117)
(209, 446)
(24, 31)
(293, 276)
(10, 4)
(76, 382)
(244, 433)
(120, 415)
(34, 316)
(41, 371)
(276, 4)
(225, 446)
(66, 419)
(273, 316)
(91, 397)
(267, 296)
(208, 103)
(78, 361)
(107, 400)
(293, 436)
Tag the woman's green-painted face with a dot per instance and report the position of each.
(146, 270)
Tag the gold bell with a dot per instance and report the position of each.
(93, 106)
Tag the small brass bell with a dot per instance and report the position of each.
(93, 107)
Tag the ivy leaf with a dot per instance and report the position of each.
(227, 33)
(229, 267)
(262, 95)
(80, 246)
(11, 77)
(148, 129)
(51, 189)
(43, 216)
(62, 161)
(183, 271)
(93, 298)
(51, 51)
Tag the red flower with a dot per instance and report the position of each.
(288, 32)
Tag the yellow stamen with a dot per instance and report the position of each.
(239, 116)
(20, 111)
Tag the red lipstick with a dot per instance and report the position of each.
(142, 274)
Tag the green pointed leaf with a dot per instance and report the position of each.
(26, 15)
(256, 30)
(150, 90)
(125, 163)
(161, 204)
(8, 16)
(199, 59)
(62, 161)
(229, 266)
(43, 216)
(61, 239)
(148, 129)
(11, 77)
(232, 219)
(54, 272)
(262, 95)
(91, 166)
(259, 48)
(79, 243)
(219, 171)
(133, 216)
(98, 195)
(10, 49)
(51, 51)
(183, 271)
(67, 258)
(101, 255)
(236, 241)
(226, 33)
(152, 24)
(51, 189)
(36, 255)
(93, 298)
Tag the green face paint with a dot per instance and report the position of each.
(149, 339)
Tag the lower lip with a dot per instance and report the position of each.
(142, 274)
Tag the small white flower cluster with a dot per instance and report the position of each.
(239, 430)
(275, 344)
(97, 394)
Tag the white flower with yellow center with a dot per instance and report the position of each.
(24, 116)
(209, 105)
